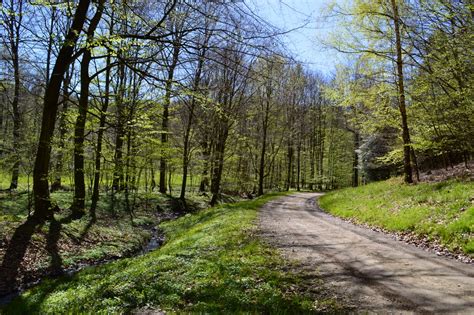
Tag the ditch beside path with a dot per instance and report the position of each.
(370, 269)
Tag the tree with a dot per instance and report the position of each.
(78, 206)
(13, 17)
(407, 170)
(43, 207)
(193, 101)
(379, 36)
(176, 28)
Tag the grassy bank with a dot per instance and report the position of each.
(64, 244)
(442, 211)
(213, 262)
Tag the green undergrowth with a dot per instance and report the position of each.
(116, 233)
(213, 262)
(441, 211)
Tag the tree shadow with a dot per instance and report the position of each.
(52, 239)
(15, 253)
(86, 230)
(18, 245)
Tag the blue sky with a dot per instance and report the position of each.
(305, 42)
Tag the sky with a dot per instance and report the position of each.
(304, 42)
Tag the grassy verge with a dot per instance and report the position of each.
(441, 211)
(213, 262)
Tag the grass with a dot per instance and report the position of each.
(213, 263)
(441, 211)
(115, 234)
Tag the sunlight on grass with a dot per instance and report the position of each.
(444, 211)
(212, 262)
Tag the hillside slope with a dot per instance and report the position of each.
(441, 213)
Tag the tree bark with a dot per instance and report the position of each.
(218, 165)
(100, 136)
(118, 179)
(166, 105)
(289, 168)
(78, 205)
(14, 38)
(355, 161)
(407, 170)
(298, 166)
(43, 209)
(266, 116)
(57, 183)
(206, 153)
(187, 134)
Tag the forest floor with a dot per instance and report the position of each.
(213, 261)
(62, 247)
(371, 269)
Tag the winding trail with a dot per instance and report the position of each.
(376, 272)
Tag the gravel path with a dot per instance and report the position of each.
(372, 270)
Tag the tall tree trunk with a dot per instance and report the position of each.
(186, 152)
(407, 170)
(298, 166)
(57, 183)
(78, 205)
(100, 136)
(218, 165)
(118, 180)
(355, 160)
(321, 148)
(196, 84)
(43, 209)
(166, 105)
(415, 164)
(16, 119)
(206, 153)
(164, 141)
(289, 170)
(14, 38)
(312, 160)
(261, 171)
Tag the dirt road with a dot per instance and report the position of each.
(374, 271)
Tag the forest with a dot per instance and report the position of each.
(113, 110)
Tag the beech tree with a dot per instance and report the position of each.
(43, 207)
(12, 15)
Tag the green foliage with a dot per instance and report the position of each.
(442, 211)
(437, 43)
(213, 262)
